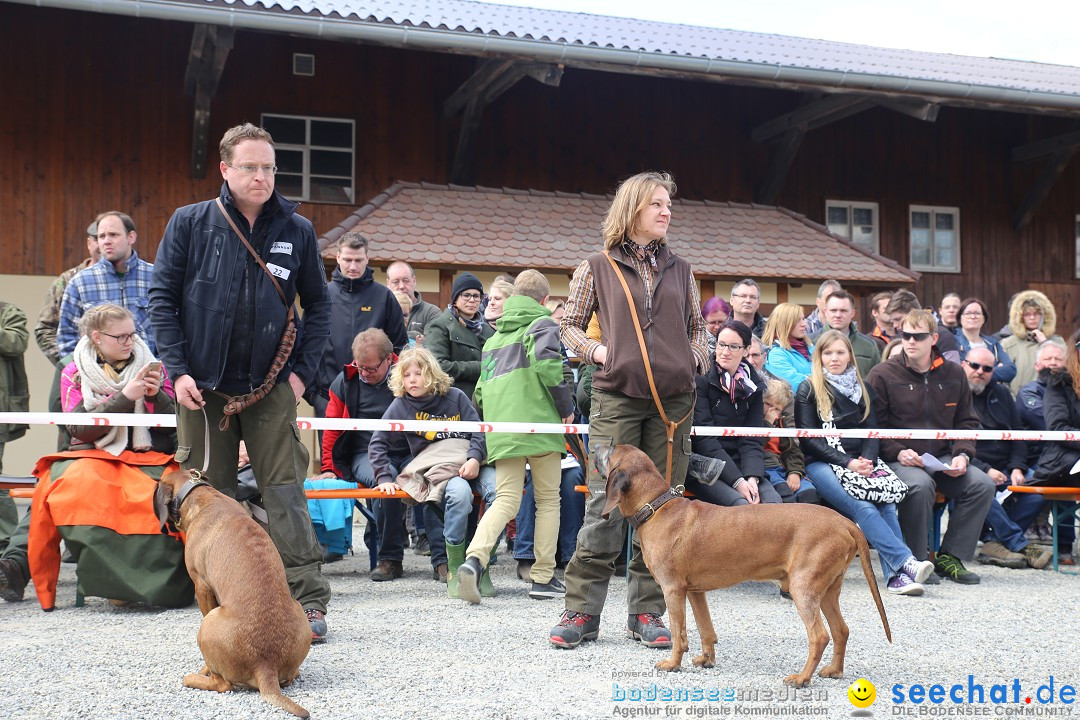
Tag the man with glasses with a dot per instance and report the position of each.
(120, 277)
(1003, 461)
(920, 389)
(400, 277)
(220, 322)
(357, 304)
(745, 301)
(361, 391)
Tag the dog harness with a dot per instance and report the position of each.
(649, 509)
(174, 505)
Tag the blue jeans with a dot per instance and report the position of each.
(1003, 529)
(878, 522)
(456, 505)
(571, 517)
(778, 478)
(389, 532)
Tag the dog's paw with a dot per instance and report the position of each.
(705, 661)
(831, 672)
(668, 665)
(796, 681)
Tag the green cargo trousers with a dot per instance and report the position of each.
(617, 419)
(279, 461)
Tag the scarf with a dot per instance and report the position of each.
(738, 386)
(799, 346)
(99, 381)
(846, 383)
(476, 325)
(644, 253)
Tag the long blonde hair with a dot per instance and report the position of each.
(822, 391)
(435, 379)
(631, 198)
(782, 321)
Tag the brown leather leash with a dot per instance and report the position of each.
(236, 403)
(669, 426)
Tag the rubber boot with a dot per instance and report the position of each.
(455, 555)
(487, 589)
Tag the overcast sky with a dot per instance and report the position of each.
(1039, 30)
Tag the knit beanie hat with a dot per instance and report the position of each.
(465, 281)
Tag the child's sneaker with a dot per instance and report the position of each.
(902, 584)
(553, 588)
(917, 571)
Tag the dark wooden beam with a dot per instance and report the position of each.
(1041, 187)
(783, 155)
(210, 47)
(1048, 146)
(814, 115)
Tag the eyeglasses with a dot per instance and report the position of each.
(471, 297)
(370, 370)
(743, 296)
(916, 336)
(977, 366)
(1031, 313)
(252, 169)
(976, 313)
(122, 338)
(730, 348)
(756, 355)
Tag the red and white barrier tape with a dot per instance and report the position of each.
(306, 423)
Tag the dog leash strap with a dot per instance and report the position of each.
(669, 426)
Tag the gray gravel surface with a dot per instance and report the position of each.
(402, 649)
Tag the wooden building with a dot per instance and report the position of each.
(957, 168)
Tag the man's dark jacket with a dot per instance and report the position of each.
(997, 411)
(198, 272)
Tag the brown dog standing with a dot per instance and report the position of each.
(253, 633)
(692, 547)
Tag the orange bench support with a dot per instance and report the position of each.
(1062, 507)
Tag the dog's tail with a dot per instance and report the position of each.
(270, 691)
(868, 571)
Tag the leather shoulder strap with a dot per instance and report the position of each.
(243, 239)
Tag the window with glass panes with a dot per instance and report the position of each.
(935, 239)
(854, 221)
(314, 157)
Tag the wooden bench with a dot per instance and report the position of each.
(18, 487)
(1063, 507)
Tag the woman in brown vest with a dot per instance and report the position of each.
(667, 304)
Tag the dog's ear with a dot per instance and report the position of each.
(163, 495)
(618, 484)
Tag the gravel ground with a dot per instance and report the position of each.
(404, 650)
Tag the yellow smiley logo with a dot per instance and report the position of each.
(862, 693)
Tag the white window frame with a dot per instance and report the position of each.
(1076, 273)
(935, 210)
(851, 206)
(305, 150)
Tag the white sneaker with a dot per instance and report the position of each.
(917, 571)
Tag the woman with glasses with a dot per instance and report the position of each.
(836, 394)
(100, 496)
(1032, 321)
(969, 335)
(731, 395)
(789, 346)
(457, 337)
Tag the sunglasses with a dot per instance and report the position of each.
(916, 336)
(977, 366)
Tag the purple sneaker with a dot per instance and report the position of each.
(917, 571)
(901, 584)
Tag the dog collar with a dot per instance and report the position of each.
(178, 499)
(649, 509)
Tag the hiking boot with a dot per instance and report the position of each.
(704, 469)
(12, 580)
(421, 546)
(553, 588)
(524, 570)
(649, 629)
(932, 579)
(573, 629)
(950, 567)
(469, 580)
(902, 584)
(387, 570)
(917, 571)
(1037, 557)
(994, 553)
(439, 572)
(317, 620)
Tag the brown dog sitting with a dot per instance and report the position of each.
(691, 547)
(253, 634)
